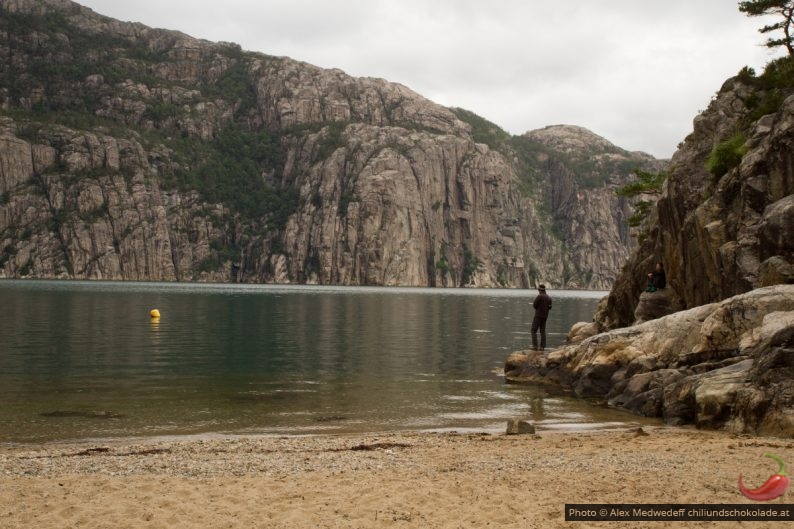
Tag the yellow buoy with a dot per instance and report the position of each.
(154, 313)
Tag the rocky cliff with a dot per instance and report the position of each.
(724, 224)
(720, 365)
(724, 229)
(583, 171)
(133, 153)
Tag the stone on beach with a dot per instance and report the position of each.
(517, 427)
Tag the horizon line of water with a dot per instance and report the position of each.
(254, 288)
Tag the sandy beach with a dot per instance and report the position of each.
(394, 480)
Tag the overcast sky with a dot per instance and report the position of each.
(634, 71)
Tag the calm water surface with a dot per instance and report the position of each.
(82, 360)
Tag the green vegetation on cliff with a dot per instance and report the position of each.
(726, 155)
(484, 131)
(229, 168)
(772, 87)
(70, 56)
(82, 71)
(769, 90)
(647, 185)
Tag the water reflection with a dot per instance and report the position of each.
(230, 358)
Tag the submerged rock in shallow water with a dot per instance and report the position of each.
(330, 418)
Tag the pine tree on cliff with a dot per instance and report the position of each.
(782, 8)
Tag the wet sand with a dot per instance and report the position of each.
(372, 481)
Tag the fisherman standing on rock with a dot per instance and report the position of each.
(542, 305)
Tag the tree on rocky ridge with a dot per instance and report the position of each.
(783, 8)
(647, 184)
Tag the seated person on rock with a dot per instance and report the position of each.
(656, 279)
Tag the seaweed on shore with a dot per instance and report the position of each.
(379, 446)
(82, 414)
(105, 451)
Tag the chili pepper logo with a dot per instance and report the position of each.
(774, 487)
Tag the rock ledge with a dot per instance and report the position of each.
(723, 365)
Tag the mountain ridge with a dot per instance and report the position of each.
(249, 167)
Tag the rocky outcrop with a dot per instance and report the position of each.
(113, 224)
(581, 331)
(721, 365)
(133, 153)
(723, 228)
(719, 236)
(653, 305)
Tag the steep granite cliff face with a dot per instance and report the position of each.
(584, 173)
(720, 235)
(133, 153)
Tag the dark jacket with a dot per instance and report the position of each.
(542, 305)
(658, 279)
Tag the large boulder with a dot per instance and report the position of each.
(653, 305)
(581, 331)
(723, 365)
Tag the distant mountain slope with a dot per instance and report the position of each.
(582, 176)
(134, 153)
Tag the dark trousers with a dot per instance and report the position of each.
(539, 323)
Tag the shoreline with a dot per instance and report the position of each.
(630, 422)
(288, 285)
(440, 480)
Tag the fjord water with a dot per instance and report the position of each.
(83, 360)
